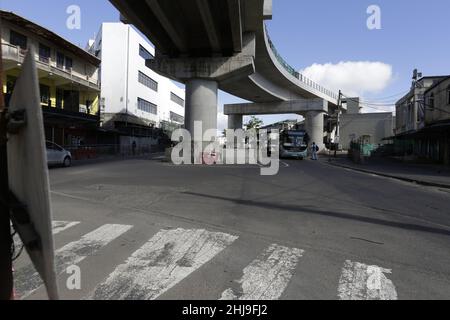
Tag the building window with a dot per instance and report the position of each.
(63, 62)
(60, 60)
(44, 53)
(68, 63)
(45, 95)
(176, 117)
(146, 106)
(431, 101)
(147, 81)
(17, 39)
(176, 99)
(144, 53)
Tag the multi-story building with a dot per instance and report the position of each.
(410, 110)
(412, 126)
(68, 79)
(434, 139)
(133, 97)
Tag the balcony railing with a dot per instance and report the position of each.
(17, 54)
(297, 74)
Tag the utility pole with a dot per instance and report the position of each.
(6, 277)
(338, 123)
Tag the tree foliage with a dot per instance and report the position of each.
(254, 123)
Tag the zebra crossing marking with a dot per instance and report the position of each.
(27, 280)
(57, 227)
(267, 277)
(363, 282)
(160, 264)
(172, 255)
(60, 226)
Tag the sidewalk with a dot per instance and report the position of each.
(423, 174)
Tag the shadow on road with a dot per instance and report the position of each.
(340, 215)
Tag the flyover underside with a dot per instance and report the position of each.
(247, 89)
(223, 44)
(180, 28)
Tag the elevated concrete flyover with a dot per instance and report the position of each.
(221, 44)
(312, 109)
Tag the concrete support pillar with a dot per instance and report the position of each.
(201, 105)
(314, 128)
(235, 121)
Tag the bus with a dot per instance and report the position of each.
(294, 144)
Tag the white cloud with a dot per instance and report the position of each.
(354, 78)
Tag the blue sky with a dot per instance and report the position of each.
(414, 34)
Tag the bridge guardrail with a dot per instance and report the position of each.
(297, 74)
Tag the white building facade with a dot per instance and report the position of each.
(130, 91)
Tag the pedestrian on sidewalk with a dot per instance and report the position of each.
(314, 151)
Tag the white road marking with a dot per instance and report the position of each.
(60, 226)
(161, 263)
(27, 280)
(267, 277)
(285, 164)
(363, 282)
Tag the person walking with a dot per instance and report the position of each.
(314, 151)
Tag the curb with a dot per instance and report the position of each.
(385, 175)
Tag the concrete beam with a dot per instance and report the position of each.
(302, 107)
(234, 9)
(167, 25)
(217, 68)
(208, 22)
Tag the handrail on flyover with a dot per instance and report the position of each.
(297, 74)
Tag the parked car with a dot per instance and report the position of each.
(57, 155)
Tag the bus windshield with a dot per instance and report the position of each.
(296, 139)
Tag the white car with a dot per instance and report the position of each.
(57, 155)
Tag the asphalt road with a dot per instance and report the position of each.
(196, 232)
